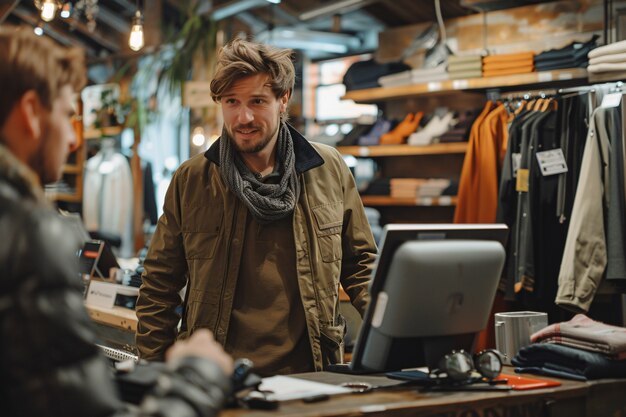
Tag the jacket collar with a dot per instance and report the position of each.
(18, 179)
(306, 156)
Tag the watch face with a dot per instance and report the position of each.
(488, 364)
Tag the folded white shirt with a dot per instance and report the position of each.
(608, 59)
(607, 67)
(612, 48)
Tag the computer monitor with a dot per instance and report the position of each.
(432, 293)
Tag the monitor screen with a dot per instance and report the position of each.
(432, 293)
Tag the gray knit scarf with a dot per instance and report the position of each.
(266, 202)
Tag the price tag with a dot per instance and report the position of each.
(364, 151)
(551, 162)
(611, 100)
(434, 86)
(545, 76)
(425, 201)
(522, 180)
(460, 84)
(445, 200)
(516, 161)
(566, 76)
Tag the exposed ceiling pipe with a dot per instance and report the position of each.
(230, 9)
(6, 9)
(81, 27)
(113, 20)
(337, 7)
(52, 32)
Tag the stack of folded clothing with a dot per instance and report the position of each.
(405, 187)
(365, 74)
(573, 55)
(469, 66)
(578, 349)
(415, 76)
(433, 187)
(508, 64)
(608, 58)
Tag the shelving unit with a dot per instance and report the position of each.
(553, 78)
(73, 170)
(403, 150)
(383, 200)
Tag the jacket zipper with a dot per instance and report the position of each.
(225, 282)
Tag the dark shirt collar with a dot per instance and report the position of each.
(306, 156)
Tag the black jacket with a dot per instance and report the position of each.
(49, 364)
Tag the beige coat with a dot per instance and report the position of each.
(198, 243)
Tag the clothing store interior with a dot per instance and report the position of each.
(470, 262)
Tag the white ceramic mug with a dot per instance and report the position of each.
(513, 330)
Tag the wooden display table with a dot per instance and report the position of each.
(571, 399)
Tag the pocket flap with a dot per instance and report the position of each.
(329, 216)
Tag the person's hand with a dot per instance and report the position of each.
(203, 345)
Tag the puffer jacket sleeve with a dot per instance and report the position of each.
(49, 363)
(164, 276)
(358, 245)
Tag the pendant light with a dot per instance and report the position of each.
(135, 40)
(48, 10)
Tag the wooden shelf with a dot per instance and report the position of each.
(66, 197)
(442, 87)
(71, 169)
(103, 132)
(385, 200)
(403, 150)
(604, 77)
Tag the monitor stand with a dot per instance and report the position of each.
(345, 368)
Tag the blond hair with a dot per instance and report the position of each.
(29, 62)
(241, 58)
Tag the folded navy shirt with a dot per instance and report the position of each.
(567, 362)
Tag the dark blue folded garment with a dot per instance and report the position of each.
(572, 51)
(561, 64)
(365, 74)
(567, 362)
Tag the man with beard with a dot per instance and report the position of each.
(261, 230)
(49, 363)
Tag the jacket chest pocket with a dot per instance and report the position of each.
(329, 218)
(201, 231)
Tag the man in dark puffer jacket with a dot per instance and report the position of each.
(49, 365)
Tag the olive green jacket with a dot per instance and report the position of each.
(198, 243)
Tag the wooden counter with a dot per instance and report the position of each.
(571, 399)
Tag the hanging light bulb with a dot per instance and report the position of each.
(66, 10)
(48, 10)
(38, 30)
(135, 41)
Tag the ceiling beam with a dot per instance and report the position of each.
(96, 35)
(53, 32)
(113, 20)
(6, 7)
(336, 7)
(231, 8)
